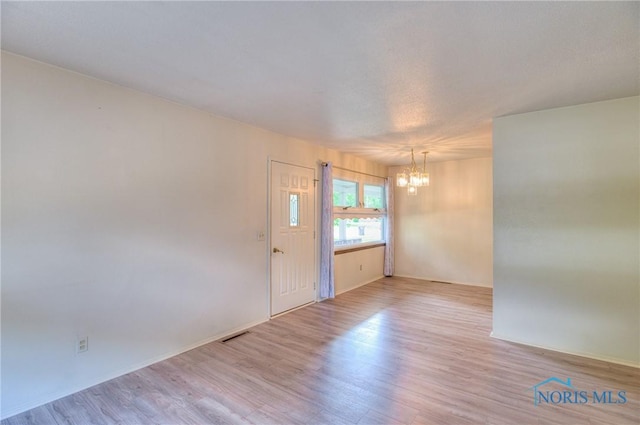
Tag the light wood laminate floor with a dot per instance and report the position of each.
(396, 351)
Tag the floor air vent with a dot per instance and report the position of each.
(234, 336)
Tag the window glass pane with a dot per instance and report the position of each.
(294, 208)
(350, 231)
(345, 193)
(373, 196)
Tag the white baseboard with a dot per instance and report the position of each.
(482, 285)
(294, 309)
(360, 284)
(573, 353)
(48, 398)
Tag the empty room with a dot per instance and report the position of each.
(320, 213)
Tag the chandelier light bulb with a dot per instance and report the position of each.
(412, 177)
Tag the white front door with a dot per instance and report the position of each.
(292, 237)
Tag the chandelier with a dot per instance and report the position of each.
(412, 178)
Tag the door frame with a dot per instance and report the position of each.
(316, 240)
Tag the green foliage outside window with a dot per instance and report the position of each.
(373, 201)
(344, 199)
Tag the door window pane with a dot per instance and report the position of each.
(294, 209)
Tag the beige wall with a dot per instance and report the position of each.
(358, 268)
(445, 232)
(566, 212)
(129, 219)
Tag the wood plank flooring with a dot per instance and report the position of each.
(396, 351)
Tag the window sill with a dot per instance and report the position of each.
(357, 248)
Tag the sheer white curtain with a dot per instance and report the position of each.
(327, 287)
(389, 262)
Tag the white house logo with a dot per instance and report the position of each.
(570, 395)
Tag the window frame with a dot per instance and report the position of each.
(360, 211)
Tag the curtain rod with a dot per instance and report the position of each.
(324, 164)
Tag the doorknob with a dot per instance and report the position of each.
(276, 250)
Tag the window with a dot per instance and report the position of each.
(345, 193)
(351, 231)
(359, 212)
(373, 196)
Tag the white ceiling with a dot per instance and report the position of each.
(366, 78)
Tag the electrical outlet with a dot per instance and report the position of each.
(260, 235)
(82, 345)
